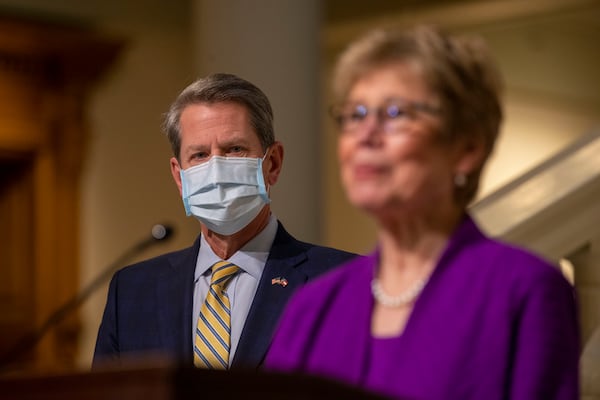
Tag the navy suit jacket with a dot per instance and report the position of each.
(149, 304)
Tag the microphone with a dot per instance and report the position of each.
(159, 233)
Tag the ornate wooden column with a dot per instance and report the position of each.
(46, 74)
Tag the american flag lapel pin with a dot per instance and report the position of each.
(279, 281)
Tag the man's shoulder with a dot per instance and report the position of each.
(324, 256)
(322, 260)
(157, 264)
(315, 250)
(317, 259)
(286, 240)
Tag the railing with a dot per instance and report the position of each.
(552, 207)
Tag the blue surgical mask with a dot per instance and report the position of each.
(224, 193)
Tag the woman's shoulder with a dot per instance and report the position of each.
(476, 248)
(501, 264)
(516, 266)
(518, 257)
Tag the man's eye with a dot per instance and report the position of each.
(199, 156)
(235, 150)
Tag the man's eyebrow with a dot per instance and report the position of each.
(235, 140)
(196, 147)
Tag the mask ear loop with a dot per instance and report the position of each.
(266, 152)
(262, 187)
(184, 193)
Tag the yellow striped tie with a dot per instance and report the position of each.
(212, 342)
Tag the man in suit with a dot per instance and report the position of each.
(225, 161)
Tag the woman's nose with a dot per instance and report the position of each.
(370, 129)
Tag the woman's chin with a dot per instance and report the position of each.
(368, 202)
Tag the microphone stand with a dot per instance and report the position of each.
(159, 233)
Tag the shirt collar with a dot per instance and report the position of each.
(251, 257)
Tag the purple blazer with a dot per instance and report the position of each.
(493, 322)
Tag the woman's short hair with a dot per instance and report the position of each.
(458, 69)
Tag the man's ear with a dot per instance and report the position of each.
(273, 163)
(175, 172)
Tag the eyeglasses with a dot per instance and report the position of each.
(394, 116)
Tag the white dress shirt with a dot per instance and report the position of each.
(241, 289)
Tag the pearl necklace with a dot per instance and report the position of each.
(396, 301)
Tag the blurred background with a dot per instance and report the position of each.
(84, 167)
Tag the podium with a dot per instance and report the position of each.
(170, 383)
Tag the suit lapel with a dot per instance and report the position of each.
(270, 299)
(175, 291)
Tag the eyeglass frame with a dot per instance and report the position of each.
(392, 109)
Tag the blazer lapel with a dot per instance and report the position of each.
(175, 291)
(279, 280)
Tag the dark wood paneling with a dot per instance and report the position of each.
(46, 74)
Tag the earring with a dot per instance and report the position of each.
(460, 180)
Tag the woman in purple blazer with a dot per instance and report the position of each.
(438, 310)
